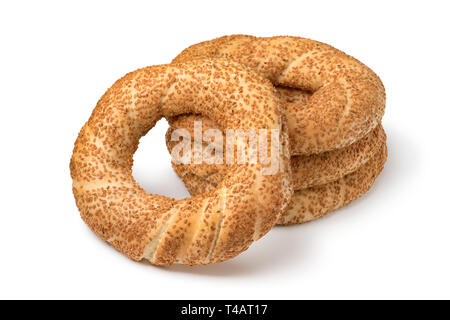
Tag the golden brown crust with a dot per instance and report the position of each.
(307, 170)
(322, 168)
(348, 98)
(209, 228)
(314, 202)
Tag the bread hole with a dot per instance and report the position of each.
(152, 165)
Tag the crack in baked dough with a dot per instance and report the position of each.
(152, 247)
(219, 227)
(188, 247)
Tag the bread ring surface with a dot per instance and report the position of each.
(307, 170)
(209, 228)
(313, 202)
(347, 101)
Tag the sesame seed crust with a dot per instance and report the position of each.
(307, 170)
(348, 98)
(317, 201)
(209, 228)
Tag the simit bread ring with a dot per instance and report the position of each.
(348, 98)
(307, 170)
(209, 228)
(314, 202)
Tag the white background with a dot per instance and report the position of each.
(57, 59)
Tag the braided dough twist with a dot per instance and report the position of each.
(208, 228)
